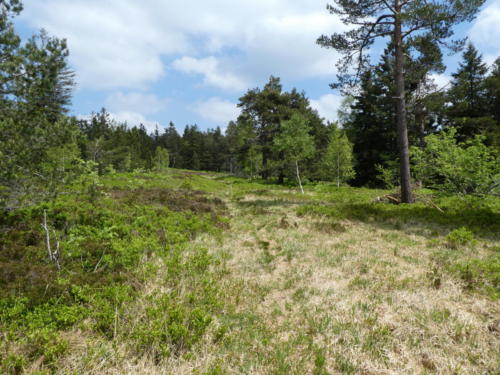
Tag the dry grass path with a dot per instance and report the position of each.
(307, 295)
(312, 296)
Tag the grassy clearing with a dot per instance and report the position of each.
(208, 274)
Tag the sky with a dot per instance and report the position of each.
(156, 61)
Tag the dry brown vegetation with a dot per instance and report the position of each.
(322, 283)
(311, 295)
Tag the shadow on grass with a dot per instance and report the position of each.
(269, 203)
(485, 222)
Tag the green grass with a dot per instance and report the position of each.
(106, 246)
(169, 267)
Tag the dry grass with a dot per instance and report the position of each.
(313, 296)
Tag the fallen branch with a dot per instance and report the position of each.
(392, 199)
(436, 207)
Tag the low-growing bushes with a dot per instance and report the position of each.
(105, 247)
(483, 216)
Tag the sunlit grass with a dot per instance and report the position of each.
(209, 274)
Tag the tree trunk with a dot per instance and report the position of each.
(281, 178)
(338, 170)
(404, 155)
(298, 176)
(264, 173)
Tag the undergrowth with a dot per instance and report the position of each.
(107, 247)
(134, 277)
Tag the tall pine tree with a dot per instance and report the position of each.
(401, 20)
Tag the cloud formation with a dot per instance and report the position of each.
(485, 32)
(136, 102)
(209, 67)
(327, 106)
(118, 44)
(217, 110)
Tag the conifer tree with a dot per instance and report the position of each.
(401, 20)
(370, 128)
(9, 44)
(493, 103)
(469, 103)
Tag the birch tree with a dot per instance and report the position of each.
(338, 159)
(295, 142)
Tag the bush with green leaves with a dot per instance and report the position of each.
(106, 246)
(459, 238)
(468, 167)
(338, 160)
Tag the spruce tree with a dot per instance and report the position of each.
(493, 104)
(468, 110)
(370, 128)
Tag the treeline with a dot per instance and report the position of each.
(361, 148)
(248, 146)
(118, 147)
(278, 135)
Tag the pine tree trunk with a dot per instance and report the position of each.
(404, 155)
(298, 176)
(338, 170)
(264, 173)
(281, 178)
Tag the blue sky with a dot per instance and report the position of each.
(155, 61)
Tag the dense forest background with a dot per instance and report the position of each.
(42, 147)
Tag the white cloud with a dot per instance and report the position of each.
(485, 33)
(327, 106)
(217, 110)
(134, 119)
(124, 43)
(136, 102)
(209, 67)
(112, 43)
(441, 80)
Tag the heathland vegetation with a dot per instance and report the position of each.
(283, 245)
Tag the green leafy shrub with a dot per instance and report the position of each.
(481, 275)
(106, 243)
(169, 326)
(459, 238)
(464, 168)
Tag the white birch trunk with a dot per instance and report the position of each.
(298, 176)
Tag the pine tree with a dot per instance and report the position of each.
(401, 20)
(264, 110)
(45, 87)
(10, 41)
